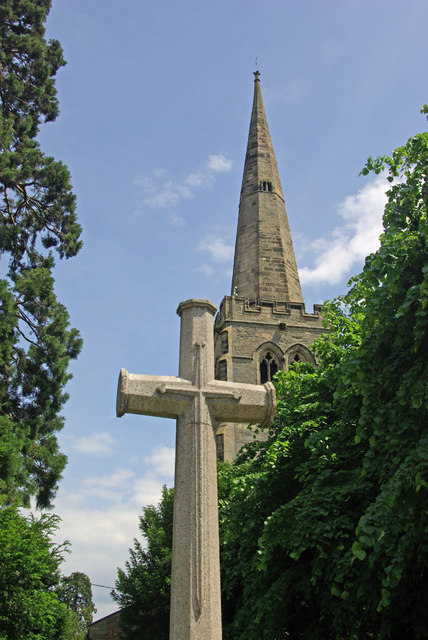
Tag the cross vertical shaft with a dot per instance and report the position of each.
(195, 564)
(198, 402)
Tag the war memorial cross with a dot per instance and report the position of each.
(199, 403)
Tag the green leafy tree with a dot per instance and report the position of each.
(324, 532)
(37, 221)
(284, 511)
(143, 589)
(29, 576)
(75, 592)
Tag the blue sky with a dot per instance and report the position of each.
(155, 107)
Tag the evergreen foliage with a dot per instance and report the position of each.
(75, 592)
(324, 526)
(37, 221)
(29, 576)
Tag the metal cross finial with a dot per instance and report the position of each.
(256, 73)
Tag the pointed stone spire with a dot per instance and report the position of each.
(265, 266)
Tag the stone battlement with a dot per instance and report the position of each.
(240, 309)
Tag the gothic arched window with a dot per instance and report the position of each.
(268, 367)
(299, 353)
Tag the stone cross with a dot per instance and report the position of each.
(199, 403)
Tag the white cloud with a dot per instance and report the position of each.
(117, 479)
(147, 490)
(207, 269)
(102, 533)
(100, 444)
(168, 194)
(162, 459)
(216, 248)
(177, 220)
(350, 243)
(100, 519)
(146, 183)
(100, 539)
(216, 251)
(197, 180)
(162, 191)
(219, 163)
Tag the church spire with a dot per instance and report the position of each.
(265, 266)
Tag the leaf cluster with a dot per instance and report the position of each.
(324, 531)
(143, 588)
(29, 576)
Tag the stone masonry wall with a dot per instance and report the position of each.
(106, 628)
(285, 330)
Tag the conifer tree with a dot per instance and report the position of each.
(75, 592)
(37, 223)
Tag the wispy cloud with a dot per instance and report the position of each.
(349, 243)
(162, 459)
(164, 191)
(177, 220)
(99, 444)
(207, 269)
(218, 254)
(216, 248)
(219, 163)
(116, 480)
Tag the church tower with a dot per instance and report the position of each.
(262, 326)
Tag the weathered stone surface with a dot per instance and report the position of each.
(106, 628)
(265, 316)
(253, 330)
(264, 266)
(199, 403)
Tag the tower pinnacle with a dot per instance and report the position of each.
(265, 266)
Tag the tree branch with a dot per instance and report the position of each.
(9, 209)
(27, 339)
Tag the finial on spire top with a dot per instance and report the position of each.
(256, 73)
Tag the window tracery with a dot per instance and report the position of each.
(299, 353)
(268, 367)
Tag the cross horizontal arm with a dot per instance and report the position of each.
(146, 395)
(250, 403)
